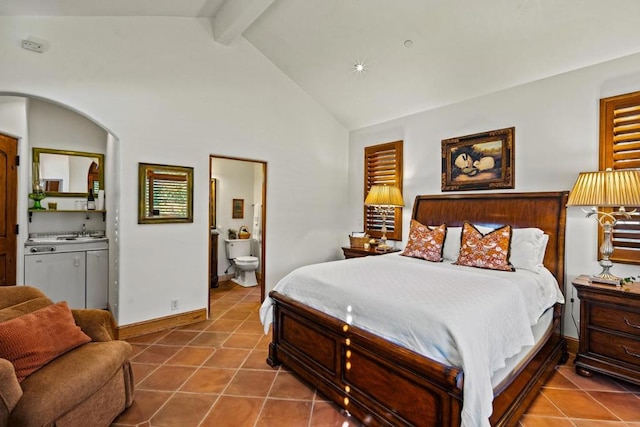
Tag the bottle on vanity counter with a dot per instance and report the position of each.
(91, 201)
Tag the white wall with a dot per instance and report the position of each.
(556, 137)
(171, 95)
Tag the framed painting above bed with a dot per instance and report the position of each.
(482, 161)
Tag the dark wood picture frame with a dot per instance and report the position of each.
(482, 161)
(237, 211)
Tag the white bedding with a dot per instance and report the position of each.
(460, 316)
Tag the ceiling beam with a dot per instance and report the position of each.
(235, 16)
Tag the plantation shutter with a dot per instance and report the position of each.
(620, 149)
(167, 193)
(383, 165)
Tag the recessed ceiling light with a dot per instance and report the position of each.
(408, 43)
(359, 67)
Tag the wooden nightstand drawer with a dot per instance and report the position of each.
(615, 319)
(615, 347)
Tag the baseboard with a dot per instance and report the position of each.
(160, 324)
(572, 345)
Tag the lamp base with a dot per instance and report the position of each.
(607, 279)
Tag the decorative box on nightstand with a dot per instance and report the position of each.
(609, 329)
(350, 252)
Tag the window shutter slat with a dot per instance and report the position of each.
(620, 149)
(383, 165)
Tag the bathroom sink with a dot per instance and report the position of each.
(60, 239)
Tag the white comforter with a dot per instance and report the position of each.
(460, 316)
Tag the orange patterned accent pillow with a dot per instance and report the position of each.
(32, 340)
(424, 242)
(485, 251)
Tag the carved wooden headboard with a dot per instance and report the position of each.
(544, 210)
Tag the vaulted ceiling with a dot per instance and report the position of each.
(417, 54)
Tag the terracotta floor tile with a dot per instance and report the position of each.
(155, 354)
(296, 413)
(251, 327)
(191, 356)
(558, 380)
(137, 349)
(624, 405)
(592, 423)
(148, 338)
(167, 378)
(327, 414)
(236, 315)
(634, 388)
(177, 338)
(216, 313)
(223, 304)
(596, 382)
(209, 339)
(264, 342)
(247, 305)
(578, 404)
(141, 370)
(241, 341)
(538, 421)
(231, 411)
(289, 386)
(251, 383)
(228, 358)
(208, 380)
(184, 409)
(543, 406)
(257, 360)
(224, 325)
(200, 326)
(145, 404)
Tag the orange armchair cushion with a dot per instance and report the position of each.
(32, 340)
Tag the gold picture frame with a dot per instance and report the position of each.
(165, 193)
(482, 161)
(237, 210)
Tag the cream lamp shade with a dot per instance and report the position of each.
(384, 195)
(607, 189)
(384, 199)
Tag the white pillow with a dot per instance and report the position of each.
(528, 246)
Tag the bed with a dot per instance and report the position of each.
(381, 382)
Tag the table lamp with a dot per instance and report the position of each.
(384, 199)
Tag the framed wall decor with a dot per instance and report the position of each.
(165, 193)
(238, 208)
(482, 161)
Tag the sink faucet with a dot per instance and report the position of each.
(84, 231)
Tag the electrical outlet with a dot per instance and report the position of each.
(31, 45)
(174, 304)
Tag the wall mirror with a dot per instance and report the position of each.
(165, 193)
(69, 173)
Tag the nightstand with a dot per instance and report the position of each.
(609, 329)
(350, 252)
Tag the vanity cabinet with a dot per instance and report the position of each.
(77, 273)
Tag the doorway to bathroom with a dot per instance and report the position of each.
(237, 208)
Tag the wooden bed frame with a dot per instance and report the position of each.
(381, 383)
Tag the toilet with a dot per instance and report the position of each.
(239, 253)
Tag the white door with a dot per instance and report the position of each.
(60, 276)
(97, 279)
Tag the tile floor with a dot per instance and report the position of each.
(214, 373)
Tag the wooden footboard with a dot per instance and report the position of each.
(383, 384)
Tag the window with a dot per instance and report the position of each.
(383, 165)
(620, 149)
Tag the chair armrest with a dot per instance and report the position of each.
(12, 295)
(95, 323)
(10, 392)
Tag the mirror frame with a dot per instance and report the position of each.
(35, 157)
(143, 217)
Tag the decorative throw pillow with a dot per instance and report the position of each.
(485, 250)
(32, 340)
(425, 242)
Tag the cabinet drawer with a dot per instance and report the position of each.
(616, 319)
(615, 347)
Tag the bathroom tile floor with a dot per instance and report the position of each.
(214, 373)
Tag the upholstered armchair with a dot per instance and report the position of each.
(58, 366)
